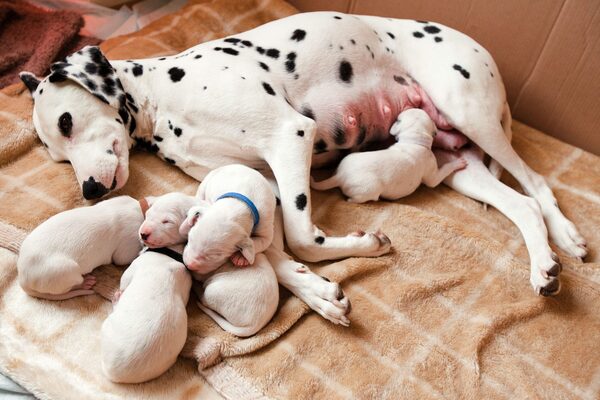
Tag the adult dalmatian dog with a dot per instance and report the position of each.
(298, 91)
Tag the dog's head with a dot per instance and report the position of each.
(83, 115)
(413, 121)
(163, 219)
(212, 239)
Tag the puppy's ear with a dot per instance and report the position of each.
(30, 80)
(192, 217)
(150, 200)
(246, 247)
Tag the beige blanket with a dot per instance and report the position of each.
(449, 313)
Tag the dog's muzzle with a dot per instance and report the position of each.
(92, 189)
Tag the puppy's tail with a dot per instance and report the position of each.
(243, 331)
(329, 183)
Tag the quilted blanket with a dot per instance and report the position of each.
(448, 314)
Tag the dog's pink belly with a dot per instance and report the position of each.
(364, 123)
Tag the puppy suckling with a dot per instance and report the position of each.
(57, 256)
(147, 329)
(237, 222)
(240, 299)
(396, 171)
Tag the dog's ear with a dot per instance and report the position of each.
(192, 217)
(30, 80)
(246, 247)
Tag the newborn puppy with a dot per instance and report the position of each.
(56, 256)
(147, 329)
(163, 218)
(237, 221)
(396, 171)
(240, 300)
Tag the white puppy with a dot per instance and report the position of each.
(147, 329)
(57, 255)
(396, 171)
(163, 218)
(237, 222)
(240, 299)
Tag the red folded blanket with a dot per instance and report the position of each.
(31, 38)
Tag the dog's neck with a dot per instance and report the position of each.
(236, 211)
(421, 139)
(142, 96)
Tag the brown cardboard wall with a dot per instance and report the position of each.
(548, 52)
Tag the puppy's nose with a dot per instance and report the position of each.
(144, 235)
(92, 189)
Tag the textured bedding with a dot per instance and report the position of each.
(449, 313)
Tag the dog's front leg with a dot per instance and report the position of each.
(289, 156)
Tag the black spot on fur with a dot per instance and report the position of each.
(58, 76)
(432, 29)
(320, 146)
(177, 132)
(197, 56)
(418, 34)
(476, 51)
(108, 90)
(346, 71)
(370, 51)
(91, 68)
(339, 136)
(421, 21)
(290, 64)
(260, 50)
(232, 40)
(352, 41)
(137, 70)
(273, 53)
(300, 133)
(391, 35)
(170, 160)
(132, 126)
(437, 39)
(462, 71)
(90, 84)
(176, 74)
(247, 43)
(146, 145)
(157, 138)
(65, 124)
(298, 35)
(301, 201)
(124, 115)
(400, 80)
(268, 89)
(101, 98)
(264, 66)
(336, 17)
(320, 240)
(230, 51)
(308, 112)
(162, 58)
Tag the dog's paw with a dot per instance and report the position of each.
(381, 243)
(239, 260)
(326, 298)
(564, 233)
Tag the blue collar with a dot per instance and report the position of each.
(249, 203)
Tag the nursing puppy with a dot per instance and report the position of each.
(240, 299)
(237, 222)
(396, 171)
(57, 255)
(147, 329)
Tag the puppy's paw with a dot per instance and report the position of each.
(326, 298)
(239, 260)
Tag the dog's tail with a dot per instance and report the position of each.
(241, 331)
(495, 167)
(328, 183)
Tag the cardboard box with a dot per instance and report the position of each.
(548, 52)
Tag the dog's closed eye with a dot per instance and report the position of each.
(65, 124)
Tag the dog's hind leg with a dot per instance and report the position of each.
(495, 167)
(289, 156)
(489, 135)
(477, 182)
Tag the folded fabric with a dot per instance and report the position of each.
(31, 38)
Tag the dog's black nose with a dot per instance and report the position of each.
(92, 189)
(144, 235)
